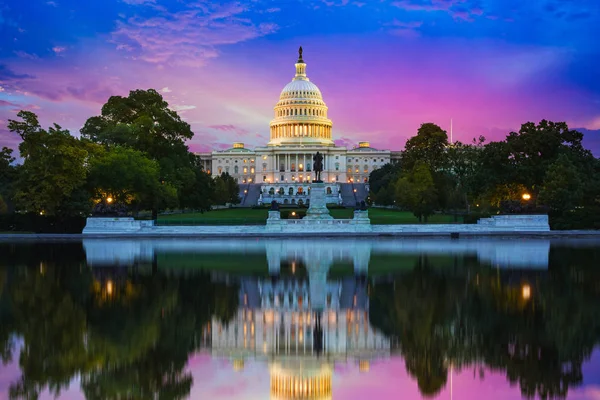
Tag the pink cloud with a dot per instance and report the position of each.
(187, 37)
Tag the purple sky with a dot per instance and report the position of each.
(383, 66)
(215, 379)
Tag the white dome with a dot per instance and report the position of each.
(301, 114)
(301, 89)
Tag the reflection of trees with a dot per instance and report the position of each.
(127, 334)
(478, 316)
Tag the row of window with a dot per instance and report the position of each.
(236, 170)
(245, 161)
(365, 168)
(299, 191)
(301, 93)
(301, 111)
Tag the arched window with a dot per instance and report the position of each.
(366, 169)
(300, 190)
(291, 191)
(272, 191)
(307, 167)
(285, 201)
(281, 191)
(329, 191)
(220, 170)
(235, 169)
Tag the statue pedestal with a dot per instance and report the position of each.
(318, 203)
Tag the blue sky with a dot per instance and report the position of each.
(383, 66)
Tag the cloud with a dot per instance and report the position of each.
(4, 103)
(52, 3)
(165, 90)
(458, 9)
(182, 108)
(138, 2)
(230, 128)
(187, 37)
(1, 89)
(24, 54)
(59, 49)
(405, 28)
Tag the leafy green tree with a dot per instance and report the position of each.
(8, 176)
(143, 121)
(464, 162)
(428, 146)
(381, 184)
(562, 188)
(416, 192)
(54, 167)
(197, 192)
(129, 177)
(226, 190)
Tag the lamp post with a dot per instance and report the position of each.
(526, 196)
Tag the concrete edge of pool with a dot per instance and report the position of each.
(283, 235)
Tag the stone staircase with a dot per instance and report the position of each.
(249, 194)
(349, 196)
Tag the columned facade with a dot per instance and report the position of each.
(299, 129)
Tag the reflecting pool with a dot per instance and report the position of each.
(300, 319)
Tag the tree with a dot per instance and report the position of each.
(562, 187)
(54, 167)
(381, 180)
(131, 178)
(227, 190)
(143, 121)
(197, 192)
(428, 146)
(464, 162)
(416, 191)
(8, 176)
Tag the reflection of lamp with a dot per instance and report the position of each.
(109, 288)
(526, 291)
(364, 365)
(238, 364)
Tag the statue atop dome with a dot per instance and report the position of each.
(300, 60)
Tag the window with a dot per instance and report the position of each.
(264, 178)
(252, 170)
(282, 178)
(337, 157)
(293, 168)
(272, 191)
(220, 170)
(220, 161)
(300, 190)
(337, 178)
(337, 166)
(291, 191)
(245, 161)
(281, 191)
(349, 169)
(329, 191)
(300, 167)
(307, 167)
(264, 167)
(235, 169)
(252, 160)
(226, 170)
(245, 170)
(366, 168)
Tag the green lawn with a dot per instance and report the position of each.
(248, 216)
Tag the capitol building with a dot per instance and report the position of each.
(282, 170)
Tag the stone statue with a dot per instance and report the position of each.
(274, 205)
(318, 166)
(300, 54)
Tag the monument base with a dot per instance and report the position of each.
(317, 209)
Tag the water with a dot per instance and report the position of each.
(341, 319)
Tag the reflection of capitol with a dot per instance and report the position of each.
(301, 326)
(299, 334)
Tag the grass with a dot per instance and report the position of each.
(248, 216)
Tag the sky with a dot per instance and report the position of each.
(215, 379)
(383, 66)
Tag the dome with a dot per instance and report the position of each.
(301, 89)
(301, 114)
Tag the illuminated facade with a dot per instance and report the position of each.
(299, 129)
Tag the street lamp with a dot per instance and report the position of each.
(109, 199)
(526, 291)
(526, 196)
